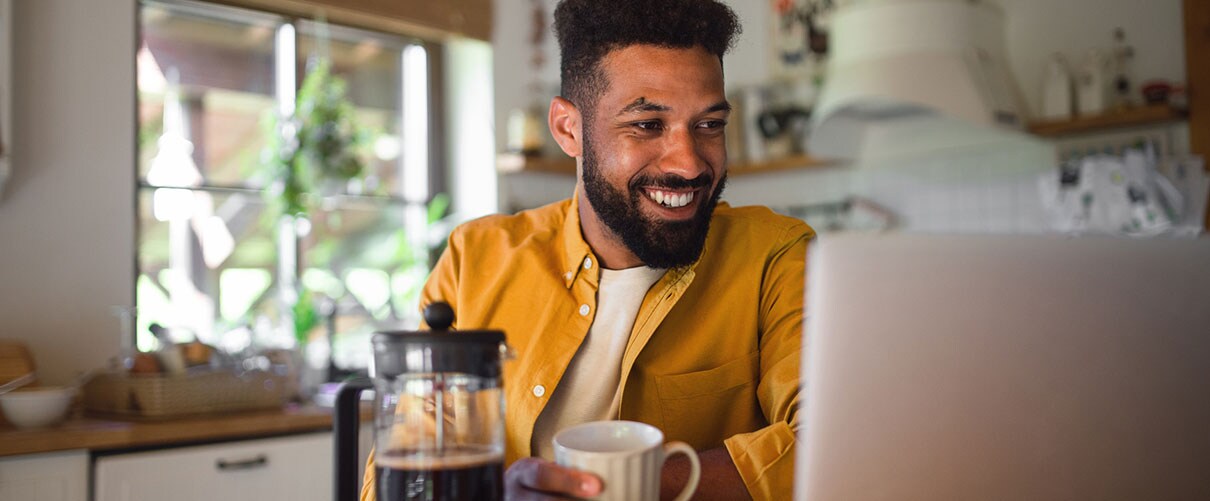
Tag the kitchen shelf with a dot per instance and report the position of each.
(792, 162)
(1130, 117)
(511, 162)
(515, 162)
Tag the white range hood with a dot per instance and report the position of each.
(896, 63)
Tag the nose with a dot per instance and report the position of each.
(682, 155)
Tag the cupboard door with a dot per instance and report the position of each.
(56, 476)
(295, 468)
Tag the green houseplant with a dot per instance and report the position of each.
(313, 154)
(320, 145)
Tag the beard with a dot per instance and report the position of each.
(657, 243)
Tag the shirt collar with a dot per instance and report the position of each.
(576, 250)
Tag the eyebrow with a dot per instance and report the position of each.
(719, 106)
(641, 105)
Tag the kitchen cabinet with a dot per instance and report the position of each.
(54, 476)
(295, 467)
(88, 458)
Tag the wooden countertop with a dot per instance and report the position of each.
(100, 434)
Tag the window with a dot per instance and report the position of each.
(218, 259)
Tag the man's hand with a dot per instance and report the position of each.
(536, 479)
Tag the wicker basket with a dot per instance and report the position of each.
(154, 396)
(15, 360)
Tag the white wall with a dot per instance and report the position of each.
(6, 95)
(1037, 28)
(471, 155)
(67, 219)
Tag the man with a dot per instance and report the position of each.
(641, 297)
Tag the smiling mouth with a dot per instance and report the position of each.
(670, 199)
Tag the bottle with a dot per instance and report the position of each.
(1091, 84)
(1122, 81)
(525, 131)
(1057, 90)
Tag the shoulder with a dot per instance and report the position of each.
(511, 230)
(759, 223)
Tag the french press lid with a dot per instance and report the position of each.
(476, 352)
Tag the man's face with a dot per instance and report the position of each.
(654, 153)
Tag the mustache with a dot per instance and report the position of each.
(671, 181)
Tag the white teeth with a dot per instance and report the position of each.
(671, 200)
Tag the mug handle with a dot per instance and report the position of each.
(695, 474)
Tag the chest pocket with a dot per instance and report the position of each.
(705, 407)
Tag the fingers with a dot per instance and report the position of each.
(534, 474)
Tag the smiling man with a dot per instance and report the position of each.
(653, 156)
(642, 297)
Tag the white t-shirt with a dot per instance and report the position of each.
(589, 388)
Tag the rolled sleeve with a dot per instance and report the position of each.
(765, 457)
(765, 460)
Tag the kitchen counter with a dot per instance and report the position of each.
(99, 434)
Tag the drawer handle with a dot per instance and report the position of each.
(260, 461)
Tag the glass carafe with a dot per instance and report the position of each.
(438, 415)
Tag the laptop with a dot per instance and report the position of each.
(1006, 368)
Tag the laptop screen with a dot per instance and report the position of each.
(1005, 367)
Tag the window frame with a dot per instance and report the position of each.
(302, 26)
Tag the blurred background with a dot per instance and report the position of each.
(280, 174)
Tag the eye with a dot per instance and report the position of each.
(712, 124)
(649, 125)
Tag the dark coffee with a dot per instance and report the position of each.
(455, 476)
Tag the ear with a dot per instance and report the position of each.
(566, 125)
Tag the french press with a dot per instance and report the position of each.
(438, 414)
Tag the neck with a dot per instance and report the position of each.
(610, 251)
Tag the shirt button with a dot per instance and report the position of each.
(539, 390)
(567, 276)
(587, 263)
(584, 310)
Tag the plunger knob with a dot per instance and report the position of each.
(439, 315)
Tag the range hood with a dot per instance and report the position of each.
(896, 63)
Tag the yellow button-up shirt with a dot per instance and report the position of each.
(712, 359)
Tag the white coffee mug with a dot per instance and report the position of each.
(627, 456)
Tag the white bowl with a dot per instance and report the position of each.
(37, 407)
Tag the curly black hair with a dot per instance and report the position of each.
(588, 30)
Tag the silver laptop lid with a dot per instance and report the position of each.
(1032, 368)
